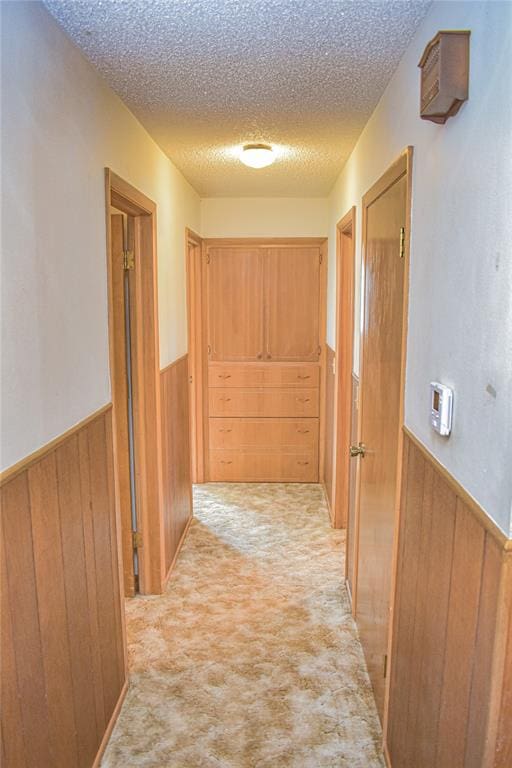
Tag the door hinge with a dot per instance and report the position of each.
(136, 539)
(385, 670)
(319, 350)
(402, 242)
(321, 258)
(128, 260)
(209, 350)
(207, 258)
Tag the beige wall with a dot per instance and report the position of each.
(264, 217)
(61, 125)
(460, 318)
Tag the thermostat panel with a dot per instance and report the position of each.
(441, 408)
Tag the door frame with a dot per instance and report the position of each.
(345, 271)
(146, 379)
(402, 166)
(196, 363)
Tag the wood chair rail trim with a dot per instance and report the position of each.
(483, 518)
(20, 466)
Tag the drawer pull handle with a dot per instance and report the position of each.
(303, 463)
(222, 461)
(303, 377)
(225, 430)
(303, 399)
(303, 431)
(225, 399)
(224, 375)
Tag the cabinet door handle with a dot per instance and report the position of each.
(303, 431)
(303, 377)
(303, 463)
(225, 399)
(222, 461)
(225, 430)
(303, 399)
(269, 356)
(224, 375)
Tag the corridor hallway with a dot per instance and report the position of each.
(250, 659)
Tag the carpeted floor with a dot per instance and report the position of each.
(251, 658)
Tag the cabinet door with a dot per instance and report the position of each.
(235, 303)
(292, 303)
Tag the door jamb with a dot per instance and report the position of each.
(345, 268)
(146, 375)
(196, 367)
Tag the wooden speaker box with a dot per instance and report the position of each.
(444, 75)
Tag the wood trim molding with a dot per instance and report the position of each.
(264, 242)
(111, 724)
(397, 169)
(174, 363)
(483, 518)
(345, 287)
(32, 458)
(128, 199)
(196, 352)
(178, 550)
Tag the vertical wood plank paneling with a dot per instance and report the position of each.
(75, 579)
(17, 532)
(90, 568)
(13, 747)
(329, 429)
(106, 588)
(63, 655)
(483, 657)
(460, 637)
(443, 701)
(177, 488)
(53, 618)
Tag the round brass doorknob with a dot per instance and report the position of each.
(358, 450)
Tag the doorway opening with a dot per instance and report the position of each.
(134, 368)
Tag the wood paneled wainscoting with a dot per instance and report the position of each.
(450, 698)
(63, 649)
(177, 488)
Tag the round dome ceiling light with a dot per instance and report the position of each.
(257, 155)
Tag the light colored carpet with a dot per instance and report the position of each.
(251, 658)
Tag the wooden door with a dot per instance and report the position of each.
(293, 303)
(235, 303)
(384, 210)
(120, 279)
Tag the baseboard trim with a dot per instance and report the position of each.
(111, 724)
(178, 550)
(387, 757)
(331, 518)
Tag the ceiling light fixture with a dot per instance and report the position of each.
(257, 155)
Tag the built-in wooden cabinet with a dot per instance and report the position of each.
(265, 320)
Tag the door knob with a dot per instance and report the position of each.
(358, 450)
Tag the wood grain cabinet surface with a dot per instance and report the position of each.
(264, 319)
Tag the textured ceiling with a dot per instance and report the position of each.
(206, 76)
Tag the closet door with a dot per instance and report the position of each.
(235, 303)
(292, 303)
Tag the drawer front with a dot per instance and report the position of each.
(264, 433)
(263, 375)
(263, 466)
(263, 402)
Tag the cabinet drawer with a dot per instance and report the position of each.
(263, 402)
(263, 466)
(263, 375)
(264, 433)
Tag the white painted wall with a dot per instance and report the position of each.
(61, 125)
(460, 318)
(264, 217)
